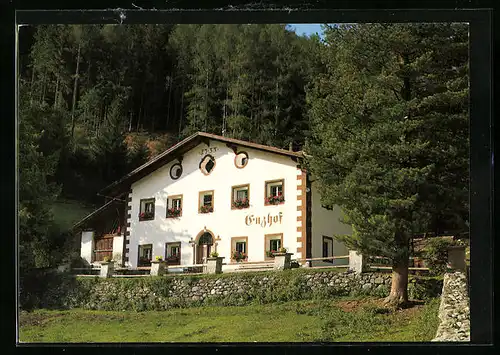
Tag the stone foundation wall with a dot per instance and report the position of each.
(454, 309)
(164, 292)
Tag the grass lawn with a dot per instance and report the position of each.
(336, 320)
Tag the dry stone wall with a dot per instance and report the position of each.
(164, 292)
(454, 311)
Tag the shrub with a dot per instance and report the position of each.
(435, 254)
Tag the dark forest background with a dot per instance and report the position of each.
(96, 101)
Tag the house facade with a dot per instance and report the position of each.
(214, 194)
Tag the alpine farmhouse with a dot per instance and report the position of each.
(211, 193)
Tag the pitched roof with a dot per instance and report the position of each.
(95, 213)
(177, 150)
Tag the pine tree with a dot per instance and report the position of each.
(389, 135)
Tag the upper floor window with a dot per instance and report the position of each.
(275, 192)
(241, 160)
(206, 201)
(174, 206)
(147, 209)
(240, 196)
(207, 164)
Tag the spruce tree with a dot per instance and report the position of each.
(389, 135)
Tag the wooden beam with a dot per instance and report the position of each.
(234, 147)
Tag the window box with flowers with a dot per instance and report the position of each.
(174, 212)
(270, 253)
(238, 256)
(206, 209)
(241, 203)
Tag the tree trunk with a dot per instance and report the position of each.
(398, 296)
(56, 95)
(75, 88)
(31, 85)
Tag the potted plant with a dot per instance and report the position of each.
(174, 212)
(241, 203)
(206, 209)
(238, 256)
(275, 200)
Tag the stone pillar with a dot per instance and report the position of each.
(282, 261)
(456, 258)
(157, 268)
(357, 262)
(214, 265)
(107, 269)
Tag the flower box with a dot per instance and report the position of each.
(173, 212)
(238, 256)
(241, 203)
(206, 209)
(275, 200)
(146, 216)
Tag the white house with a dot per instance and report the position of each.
(211, 193)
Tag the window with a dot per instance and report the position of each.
(239, 249)
(147, 209)
(275, 194)
(176, 171)
(207, 164)
(206, 202)
(173, 253)
(273, 242)
(174, 206)
(241, 160)
(145, 255)
(327, 248)
(240, 197)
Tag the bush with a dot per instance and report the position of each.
(435, 255)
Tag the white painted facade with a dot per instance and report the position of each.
(223, 222)
(326, 223)
(87, 246)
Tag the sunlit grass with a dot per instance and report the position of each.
(300, 321)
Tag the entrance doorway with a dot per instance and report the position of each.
(204, 246)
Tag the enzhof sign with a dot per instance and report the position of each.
(264, 220)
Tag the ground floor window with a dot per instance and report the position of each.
(145, 255)
(239, 249)
(173, 253)
(273, 243)
(327, 248)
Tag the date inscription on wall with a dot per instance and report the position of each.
(206, 151)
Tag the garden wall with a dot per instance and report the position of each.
(454, 309)
(159, 293)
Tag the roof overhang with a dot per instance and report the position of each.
(177, 151)
(83, 223)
